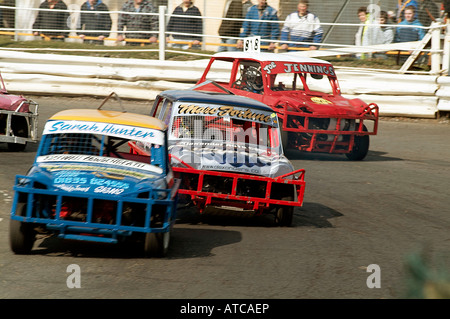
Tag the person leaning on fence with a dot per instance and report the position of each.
(185, 23)
(301, 26)
(135, 17)
(54, 19)
(231, 28)
(99, 20)
(409, 34)
(267, 29)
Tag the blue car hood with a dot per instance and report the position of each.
(95, 175)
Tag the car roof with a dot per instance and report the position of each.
(269, 57)
(215, 98)
(113, 117)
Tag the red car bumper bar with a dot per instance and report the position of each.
(195, 184)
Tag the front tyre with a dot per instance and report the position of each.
(156, 244)
(21, 237)
(284, 214)
(360, 147)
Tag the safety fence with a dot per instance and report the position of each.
(402, 91)
(410, 95)
(156, 30)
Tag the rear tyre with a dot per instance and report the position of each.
(284, 214)
(19, 127)
(156, 244)
(360, 147)
(21, 235)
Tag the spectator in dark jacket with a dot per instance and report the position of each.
(401, 7)
(231, 28)
(409, 34)
(186, 24)
(99, 21)
(267, 29)
(51, 20)
(246, 5)
(137, 22)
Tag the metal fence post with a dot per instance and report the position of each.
(162, 33)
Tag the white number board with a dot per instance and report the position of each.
(252, 44)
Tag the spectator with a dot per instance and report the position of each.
(445, 7)
(9, 15)
(401, 7)
(409, 34)
(137, 22)
(51, 20)
(385, 34)
(266, 30)
(301, 26)
(359, 36)
(427, 12)
(186, 24)
(97, 20)
(362, 16)
(231, 28)
(387, 30)
(246, 5)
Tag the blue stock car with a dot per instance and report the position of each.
(86, 184)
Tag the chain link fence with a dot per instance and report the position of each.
(334, 26)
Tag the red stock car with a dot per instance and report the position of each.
(305, 94)
(18, 120)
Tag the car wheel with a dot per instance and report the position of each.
(284, 214)
(19, 127)
(360, 147)
(156, 244)
(21, 235)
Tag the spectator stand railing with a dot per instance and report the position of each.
(438, 52)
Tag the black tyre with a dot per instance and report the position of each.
(21, 235)
(15, 147)
(156, 244)
(19, 127)
(284, 214)
(360, 147)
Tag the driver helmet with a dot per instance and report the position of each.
(252, 77)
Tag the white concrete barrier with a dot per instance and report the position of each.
(443, 93)
(34, 73)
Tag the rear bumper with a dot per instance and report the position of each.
(32, 120)
(247, 192)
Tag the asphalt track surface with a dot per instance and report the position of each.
(381, 211)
